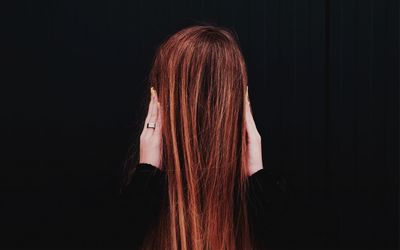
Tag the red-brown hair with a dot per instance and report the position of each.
(200, 77)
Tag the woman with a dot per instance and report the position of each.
(200, 182)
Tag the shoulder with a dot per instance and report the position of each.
(268, 189)
(268, 178)
(268, 201)
(144, 178)
(146, 168)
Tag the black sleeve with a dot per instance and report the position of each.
(267, 205)
(140, 203)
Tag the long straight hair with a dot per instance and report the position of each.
(200, 77)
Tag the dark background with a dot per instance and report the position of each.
(324, 83)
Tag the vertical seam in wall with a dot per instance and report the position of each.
(327, 90)
(328, 187)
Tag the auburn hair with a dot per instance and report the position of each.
(200, 77)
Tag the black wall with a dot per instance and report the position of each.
(324, 83)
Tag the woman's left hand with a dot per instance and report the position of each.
(151, 138)
(254, 160)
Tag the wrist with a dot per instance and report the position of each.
(255, 168)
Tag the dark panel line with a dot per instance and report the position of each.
(328, 175)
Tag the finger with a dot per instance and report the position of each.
(251, 125)
(247, 93)
(153, 113)
(151, 104)
(248, 101)
(154, 108)
(157, 131)
(249, 116)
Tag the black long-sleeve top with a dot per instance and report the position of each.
(142, 199)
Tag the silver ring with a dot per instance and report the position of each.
(151, 125)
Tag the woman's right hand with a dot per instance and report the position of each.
(253, 140)
(151, 138)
